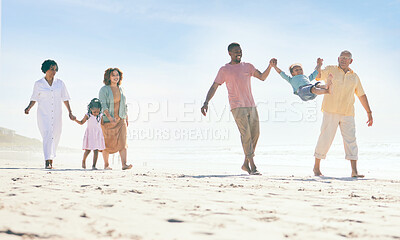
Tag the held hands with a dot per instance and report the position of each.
(108, 115)
(71, 116)
(204, 109)
(319, 62)
(273, 62)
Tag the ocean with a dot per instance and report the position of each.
(376, 160)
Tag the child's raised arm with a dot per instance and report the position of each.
(81, 122)
(319, 64)
(274, 64)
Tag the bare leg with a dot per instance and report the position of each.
(319, 90)
(354, 172)
(95, 156)
(253, 168)
(123, 154)
(85, 155)
(317, 171)
(105, 157)
(323, 89)
(245, 166)
(252, 165)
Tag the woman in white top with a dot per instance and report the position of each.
(50, 92)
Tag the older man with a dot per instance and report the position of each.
(338, 110)
(237, 75)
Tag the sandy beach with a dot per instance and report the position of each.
(155, 202)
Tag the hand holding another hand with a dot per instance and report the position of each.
(320, 61)
(273, 62)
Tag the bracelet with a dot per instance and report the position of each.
(369, 112)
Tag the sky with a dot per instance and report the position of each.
(170, 53)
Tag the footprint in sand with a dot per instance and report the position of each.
(268, 219)
(172, 220)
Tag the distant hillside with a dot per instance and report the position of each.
(9, 140)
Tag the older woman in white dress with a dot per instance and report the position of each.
(50, 92)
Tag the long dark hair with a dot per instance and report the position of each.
(94, 103)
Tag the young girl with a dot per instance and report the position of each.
(93, 139)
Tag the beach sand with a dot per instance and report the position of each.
(163, 203)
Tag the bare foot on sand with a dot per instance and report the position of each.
(83, 164)
(317, 173)
(107, 168)
(246, 168)
(255, 172)
(356, 175)
(94, 168)
(126, 167)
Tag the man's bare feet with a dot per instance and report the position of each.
(107, 168)
(83, 164)
(246, 168)
(126, 167)
(317, 172)
(356, 175)
(94, 168)
(255, 172)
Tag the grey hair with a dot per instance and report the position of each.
(346, 52)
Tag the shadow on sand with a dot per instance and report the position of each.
(53, 170)
(324, 179)
(216, 176)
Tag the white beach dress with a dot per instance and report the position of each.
(49, 113)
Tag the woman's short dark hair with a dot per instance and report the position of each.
(107, 74)
(46, 65)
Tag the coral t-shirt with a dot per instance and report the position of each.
(237, 79)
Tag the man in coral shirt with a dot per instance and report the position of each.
(338, 110)
(237, 75)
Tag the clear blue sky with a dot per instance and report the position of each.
(170, 51)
